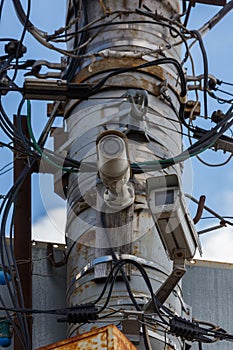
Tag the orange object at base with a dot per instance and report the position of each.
(104, 338)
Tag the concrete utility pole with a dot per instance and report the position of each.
(104, 225)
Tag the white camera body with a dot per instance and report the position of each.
(171, 216)
(114, 169)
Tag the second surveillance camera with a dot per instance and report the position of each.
(172, 219)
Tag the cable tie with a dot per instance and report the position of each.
(183, 99)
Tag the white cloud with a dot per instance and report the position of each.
(50, 228)
(218, 245)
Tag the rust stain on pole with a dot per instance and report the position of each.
(22, 234)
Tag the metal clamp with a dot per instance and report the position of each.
(37, 66)
(108, 258)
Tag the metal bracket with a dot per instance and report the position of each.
(197, 81)
(59, 90)
(131, 325)
(37, 66)
(169, 284)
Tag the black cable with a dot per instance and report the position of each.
(188, 13)
(211, 211)
(157, 62)
(205, 66)
(160, 61)
(157, 304)
(8, 126)
(215, 165)
(1, 8)
(6, 166)
(21, 14)
(14, 149)
(184, 8)
(226, 83)
(6, 171)
(141, 12)
(17, 285)
(5, 207)
(10, 199)
(26, 23)
(115, 260)
(28, 146)
(203, 143)
(146, 338)
(213, 217)
(75, 62)
(224, 92)
(220, 99)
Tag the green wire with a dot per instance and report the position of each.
(175, 159)
(37, 147)
(149, 163)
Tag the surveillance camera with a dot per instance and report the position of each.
(114, 169)
(172, 219)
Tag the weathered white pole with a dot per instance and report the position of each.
(131, 102)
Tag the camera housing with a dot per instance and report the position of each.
(114, 169)
(171, 216)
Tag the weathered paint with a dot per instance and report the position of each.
(85, 121)
(105, 338)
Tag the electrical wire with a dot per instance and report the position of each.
(226, 83)
(217, 164)
(188, 13)
(118, 266)
(205, 142)
(115, 260)
(6, 171)
(43, 38)
(75, 62)
(205, 66)
(6, 166)
(1, 8)
(20, 43)
(219, 99)
(35, 150)
(111, 278)
(43, 153)
(5, 255)
(225, 92)
(211, 211)
(9, 200)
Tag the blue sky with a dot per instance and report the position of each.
(214, 182)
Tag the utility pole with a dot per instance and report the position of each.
(134, 102)
(118, 161)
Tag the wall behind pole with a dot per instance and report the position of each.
(48, 292)
(208, 286)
